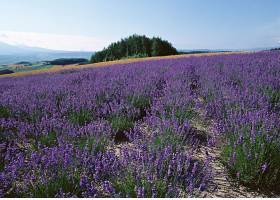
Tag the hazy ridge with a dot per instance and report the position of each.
(13, 54)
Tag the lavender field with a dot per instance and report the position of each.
(147, 129)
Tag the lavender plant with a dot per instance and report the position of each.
(126, 131)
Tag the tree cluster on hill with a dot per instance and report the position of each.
(134, 46)
(68, 61)
(24, 63)
(275, 49)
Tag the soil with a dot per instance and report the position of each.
(222, 185)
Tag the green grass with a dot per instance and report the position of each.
(168, 138)
(247, 158)
(121, 123)
(52, 187)
(4, 112)
(273, 97)
(2, 163)
(127, 186)
(100, 99)
(92, 143)
(186, 113)
(31, 117)
(80, 117)
(180, 113)
(140, 102)
(210, 96)
(49, 139)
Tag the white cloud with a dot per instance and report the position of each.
(53, 41)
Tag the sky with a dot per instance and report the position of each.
(90, 25)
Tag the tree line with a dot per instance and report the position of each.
(134, 46)
(68, 61)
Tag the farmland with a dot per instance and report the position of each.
(19, 68)
(155, 128)
(28, 67)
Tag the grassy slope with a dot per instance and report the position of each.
(109, 63)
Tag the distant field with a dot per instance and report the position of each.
(26, 68)
(102, 64)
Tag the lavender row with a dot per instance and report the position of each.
(126, 131)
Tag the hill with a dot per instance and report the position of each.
(135, 46)
(7, 49)
(116, 62)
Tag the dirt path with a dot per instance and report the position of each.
(222, 185)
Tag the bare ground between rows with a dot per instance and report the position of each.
(222, 185)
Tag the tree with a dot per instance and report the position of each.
(134, 46)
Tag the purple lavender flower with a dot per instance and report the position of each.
(263, 167)
(238, 175)
(154, 192)
(140, 192)
(194, 168)
(108, 187)
(59, 124)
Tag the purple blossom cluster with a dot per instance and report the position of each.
(126, 131)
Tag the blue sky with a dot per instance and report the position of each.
(188, 24)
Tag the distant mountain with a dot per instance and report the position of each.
(7, 49)
(13, 54)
